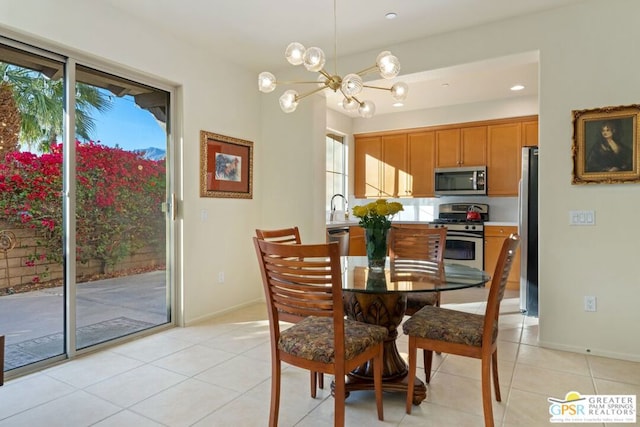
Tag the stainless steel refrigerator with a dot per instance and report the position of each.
(528, 229)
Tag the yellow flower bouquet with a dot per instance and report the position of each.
(377, 214)
(375, 218)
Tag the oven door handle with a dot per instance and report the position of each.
(471, 235)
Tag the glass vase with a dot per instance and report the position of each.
(376, 244)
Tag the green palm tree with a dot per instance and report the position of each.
(39, 100)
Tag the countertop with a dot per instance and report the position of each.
(354, 222)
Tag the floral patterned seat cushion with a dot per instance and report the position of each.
(312, 338)
(452, 326)
(415, 301)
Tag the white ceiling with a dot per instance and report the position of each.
(254, 33)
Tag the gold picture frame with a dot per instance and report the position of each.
(605, 145)
(226, 166)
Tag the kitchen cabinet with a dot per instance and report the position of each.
(530, 133)
(494, 237)
(503, 158)
(381, 166)
(401, 163)
(421, 162)
(367, 159)
(459, 147)
(357, 246)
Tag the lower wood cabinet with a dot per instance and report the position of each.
(493, 239)
(356, 241)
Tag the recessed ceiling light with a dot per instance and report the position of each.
(398, 104)
(445, 84)
(391, 15)
(517, 87)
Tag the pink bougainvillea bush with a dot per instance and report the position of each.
(118, 203)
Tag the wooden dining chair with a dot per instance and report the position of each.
(465, 334)
(282, 235)
(303, 286)
(291, 235)
(418, 247)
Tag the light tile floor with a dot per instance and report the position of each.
(217, 373)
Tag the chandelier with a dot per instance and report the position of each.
(351, 85)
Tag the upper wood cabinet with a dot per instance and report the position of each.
(402, 163)
(530, 133)
(394, 166)
(381, 166)
(460, 147)
(421, 159)
(504, 157)
(367, 165)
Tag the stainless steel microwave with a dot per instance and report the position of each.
(463, 181)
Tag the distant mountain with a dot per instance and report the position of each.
(152, 153)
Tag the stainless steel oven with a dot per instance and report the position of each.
(464, 245)
(465, 239)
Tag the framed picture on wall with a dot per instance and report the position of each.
(226, 166)
(605, 145)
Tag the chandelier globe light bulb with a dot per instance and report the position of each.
(266, 82)
(351, 85)
(388, 65)
(367, 109)
(350, 104)
(294, 53)
(314, 59)
(399, 91)
(288, 101)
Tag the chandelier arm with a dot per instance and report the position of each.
(324, 73)
(347, 97)
(299, 97)
(377, 87)
(294, 82)
(357, 100)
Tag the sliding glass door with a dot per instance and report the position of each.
(120, 221)
(93, 194)
(31, 232)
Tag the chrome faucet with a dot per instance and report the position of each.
(333, 207)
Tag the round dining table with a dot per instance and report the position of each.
(380, 298)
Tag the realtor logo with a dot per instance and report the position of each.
(577, 408)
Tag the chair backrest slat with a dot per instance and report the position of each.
(289, 235)
(417, 243)
(417, 250)
(300, 281)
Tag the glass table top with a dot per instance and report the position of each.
(415, 276)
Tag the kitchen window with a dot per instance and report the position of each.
(336, 176)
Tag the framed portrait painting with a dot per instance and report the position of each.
(605, 145)
(226, 166)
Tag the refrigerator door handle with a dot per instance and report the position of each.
(520, 205)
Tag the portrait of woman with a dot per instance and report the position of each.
(608, 150)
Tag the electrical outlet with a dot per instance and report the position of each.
(589, 303)
(221, 277)
(582, 218)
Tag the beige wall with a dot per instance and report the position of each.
(587, 60)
